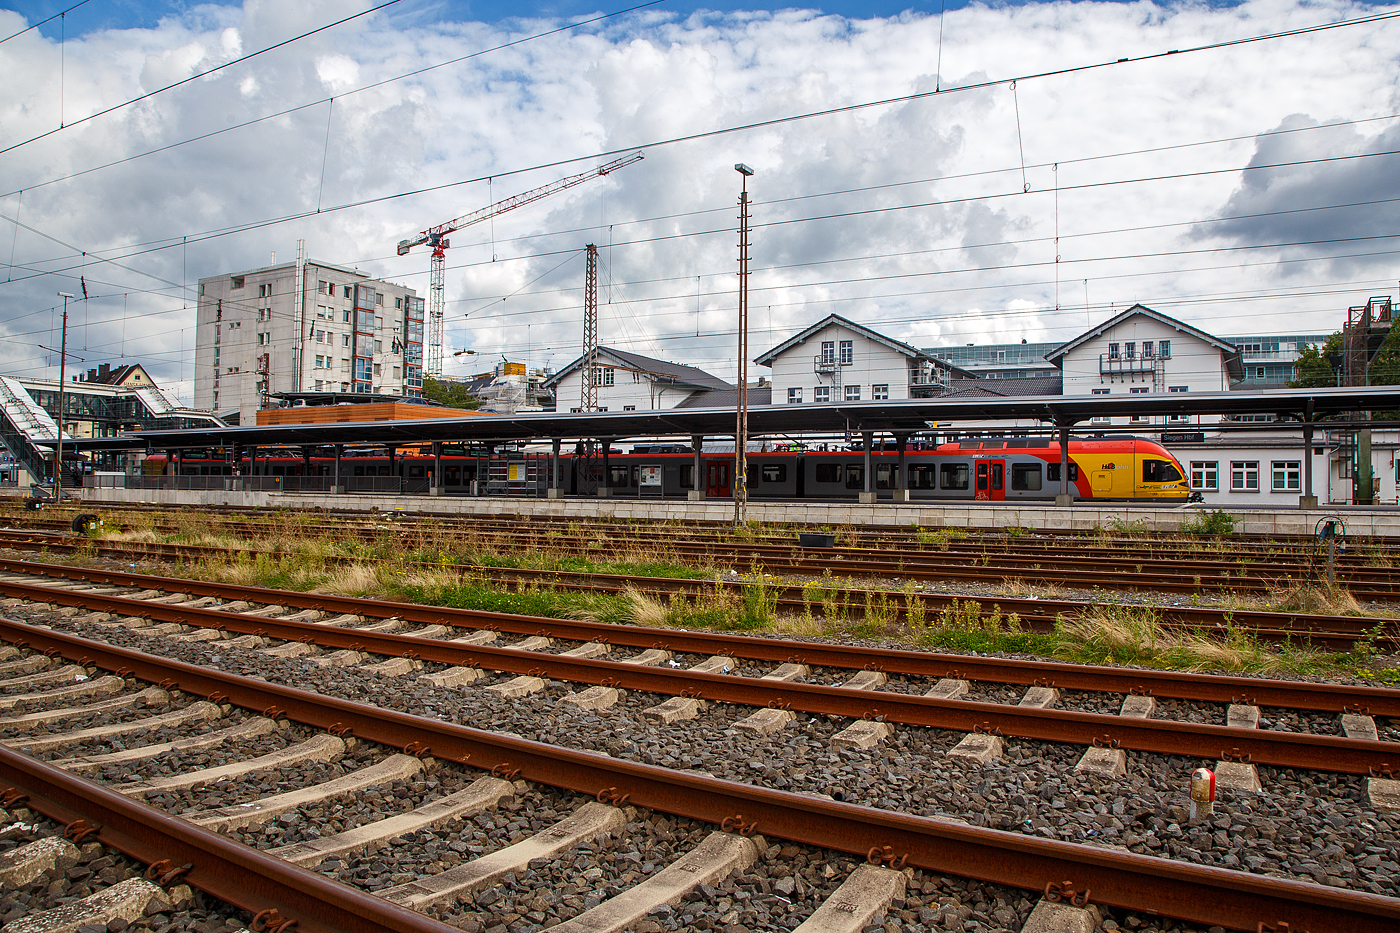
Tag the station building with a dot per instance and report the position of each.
(632, 382)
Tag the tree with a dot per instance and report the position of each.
(448, 394)
(1314, 366)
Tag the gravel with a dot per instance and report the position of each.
(1307, 825)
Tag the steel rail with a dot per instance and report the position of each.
(1197, 894)
(1283, 749)
(1256, 691)
(1334, 632)
(235, 873)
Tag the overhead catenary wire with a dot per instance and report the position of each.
(776, 121)
(195, 77)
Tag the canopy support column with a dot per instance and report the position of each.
(554, 491)
(605, 485)
(868, 494)
(435, 488)
(1308, 500)
(901, 482)
(1064, 497)
(697, 469)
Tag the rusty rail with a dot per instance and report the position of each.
(238, 874)
(1198, 894)
(1379, 701)
(1285, 749)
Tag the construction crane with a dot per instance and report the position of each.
(436, 237)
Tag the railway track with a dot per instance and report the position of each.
(256, 792)
(829, 597)
(1153, 566)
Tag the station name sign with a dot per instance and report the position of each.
(1184, 437)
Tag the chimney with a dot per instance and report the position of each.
(104, 371)
(92, 375)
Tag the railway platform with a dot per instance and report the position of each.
(1363, 522)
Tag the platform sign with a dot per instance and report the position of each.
(649, 480)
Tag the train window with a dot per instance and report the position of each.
(384, 470)
(1159, 471)
(828, 472)
(688, 476)
(617, 475)
(1052, 472)
(884, 475)
(1025, 476)
(452, 476)
(775, 472)
(923, 476)
(855, 476)
(953, 475)
(997, 472)
(632, 478)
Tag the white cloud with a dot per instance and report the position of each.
(954, 251)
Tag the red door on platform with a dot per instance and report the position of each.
(717, 480)
(991, 480)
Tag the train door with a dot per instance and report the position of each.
(716, 480)
(991, 480)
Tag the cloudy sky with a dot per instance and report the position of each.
(947, 174)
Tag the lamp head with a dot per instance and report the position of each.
(742, 169)
(66, 295)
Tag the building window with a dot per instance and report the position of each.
(604, 375)
(1113, 351)
(319, 385)
(848, 353)
(629, 407)
(320, 362)
(1344, 469)
(347, 291)
(879, 393)
(398, 302)
(1258, 372)
(1147, 349)
(344, 365)
(236, 281)
(345, 316)
(1177, 388)
(379, 369)
(1288, 475)
(795, 395)
(379, 298)
(853, 393)
(1138, 390)
(320, 336)
(1130, 350)
(828, 351)
(821, 394)
(1164, 349)
(1205, 475)
(1102, 391)
(345, 340)
(396, 372)
(1244, 476)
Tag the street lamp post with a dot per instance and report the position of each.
(62, 375)
(741, 428)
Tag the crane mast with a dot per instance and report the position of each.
(437, 239)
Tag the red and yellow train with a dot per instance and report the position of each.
(992, 469)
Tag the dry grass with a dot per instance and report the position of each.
(1136, 635)
(644, 609)
(1319, 599)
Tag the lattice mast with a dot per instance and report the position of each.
(437, 238)
(588, 400)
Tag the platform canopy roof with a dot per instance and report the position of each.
(910, 416)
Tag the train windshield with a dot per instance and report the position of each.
(1160, 471)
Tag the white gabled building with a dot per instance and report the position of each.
(836, 360)
(1144, 351)
(631, 382)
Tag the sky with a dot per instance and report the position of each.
(954, 174)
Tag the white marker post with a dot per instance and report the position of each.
(1202, 793)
